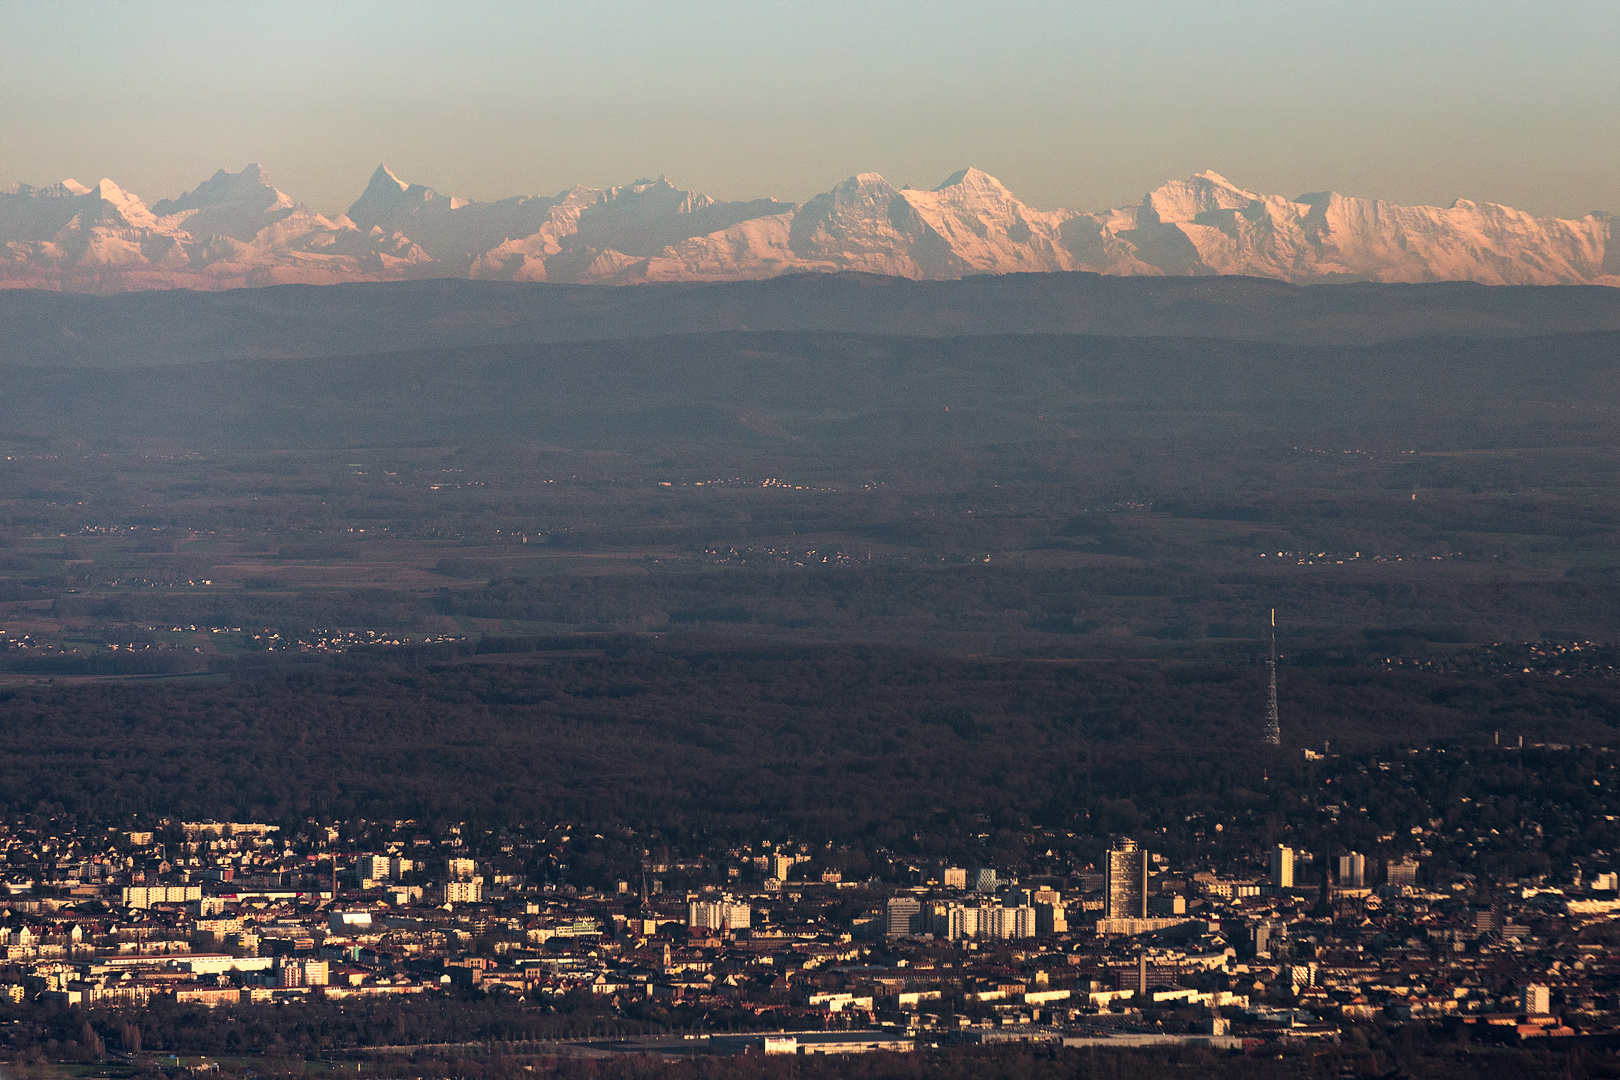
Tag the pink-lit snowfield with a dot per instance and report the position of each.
(237, 229)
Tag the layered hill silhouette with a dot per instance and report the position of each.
(238, 229)
(831, 390)
(184, 327)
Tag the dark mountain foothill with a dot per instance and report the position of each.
(175, 326)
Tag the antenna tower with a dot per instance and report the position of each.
(1273, 728)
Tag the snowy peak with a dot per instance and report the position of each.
(68, 210)
(387, 189)
(387, 199)
(238, 229)
(1184, 200)
(118, 205)
(225, 188)
(975, 180)
(647, 217)
(57, 190)
(237, 205)
(987, 229)
(383, 179)
(867, 224)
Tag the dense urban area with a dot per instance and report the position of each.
(768, 947)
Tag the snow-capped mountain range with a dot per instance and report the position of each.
(237, 229)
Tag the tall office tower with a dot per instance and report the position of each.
(904, 914)
(1125, 889)
(1273, 734)
(1282, 867)
(1352, 871)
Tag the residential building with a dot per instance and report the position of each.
(140, 896)
(1282, 867)
(464, 892)
(962, 922)
(1167, 904)
(380, 868)
(1404, 872)
(1267, 937)
(721, 915)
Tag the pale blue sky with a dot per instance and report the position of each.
(1083, 105)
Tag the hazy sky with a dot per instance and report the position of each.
(1073, 104)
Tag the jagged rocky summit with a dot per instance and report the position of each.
(237, 229)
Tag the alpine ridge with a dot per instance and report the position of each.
(236, 230)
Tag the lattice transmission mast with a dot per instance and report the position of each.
(1273, 734)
